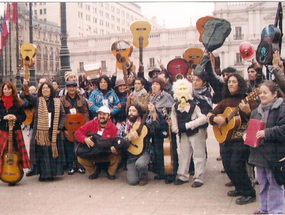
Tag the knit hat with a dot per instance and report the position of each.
(120, 82)
(68, 74)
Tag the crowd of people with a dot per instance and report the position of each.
(145, 113)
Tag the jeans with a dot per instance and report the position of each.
(138, 169)
(271, 194)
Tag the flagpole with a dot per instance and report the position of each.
(10, 51)
(18, 77)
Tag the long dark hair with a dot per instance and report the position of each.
(242, 87)
(16, 100)
(107, 79)
(52, 90)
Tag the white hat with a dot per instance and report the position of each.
(104, 109)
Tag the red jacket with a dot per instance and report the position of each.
(93, 126)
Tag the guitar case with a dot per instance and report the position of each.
(101, 147)
(216, 30)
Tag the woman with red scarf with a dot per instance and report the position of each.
(11, 109)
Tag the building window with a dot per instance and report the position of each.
(238, 59)
(151, 62)
(103, 65)
(238, 35)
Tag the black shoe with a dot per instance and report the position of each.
(229, 184)
(11, 184)
(71, 172)
(234, 193)
(111, 177)
(245, 200)
(169, 180)
(196, 184)
(159, 177)
(81, 170)
(179, 182)
(95, 174)
(30, 173)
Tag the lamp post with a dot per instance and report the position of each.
(18, 77)
(64, 51)
(32, 68)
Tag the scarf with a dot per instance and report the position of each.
(42, 135)
(8, 101)
(199, 95)
(139, 93)
(129, 125)
(265, 109)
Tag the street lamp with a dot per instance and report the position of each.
(64, 52)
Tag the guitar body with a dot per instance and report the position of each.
(140, 30)
(224, 133)
(269, 43)
(200, 25)
(193, 56)
(122, 50)
(72, 123)
(178, 68)
(168, 155)
(30, 116)
(11, 170)
(137, 146)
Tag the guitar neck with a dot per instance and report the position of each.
(141, 50)
(10, 143)
(139, 130)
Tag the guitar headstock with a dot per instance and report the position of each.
(253, 95)
(11, 124)
(165, 112)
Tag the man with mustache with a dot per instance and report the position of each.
(103, 126)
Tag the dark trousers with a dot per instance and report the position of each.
(235, 156)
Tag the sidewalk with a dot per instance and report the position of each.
(76, 195)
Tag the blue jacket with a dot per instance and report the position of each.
(97, 98)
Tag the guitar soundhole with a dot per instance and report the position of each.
(10, 162)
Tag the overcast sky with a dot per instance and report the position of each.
(176, 14)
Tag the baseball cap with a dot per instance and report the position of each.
(104, 109)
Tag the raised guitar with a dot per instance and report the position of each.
(137, 145)
(122, 50)
(200, 25)
(28, 52)
(233, 121)
(140, 31)
(72, 123)
(12, 171)
(178, 68)
(269, 43)
(167, 149)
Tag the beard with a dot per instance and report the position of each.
(132, 118)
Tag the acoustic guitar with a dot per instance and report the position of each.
(12, 171)
(167, 149)
(178, 68)
(269, 43)
(140, 31)
(122, 50)
(137, 145)
(72, 123)
(200, 25)
(193, 56)
(233, 121)
(30, 115)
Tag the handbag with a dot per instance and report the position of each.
(279, 171)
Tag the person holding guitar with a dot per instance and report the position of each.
(11, 109)
(137, 164)
(103, 126)
(77, 113)
(234, 152)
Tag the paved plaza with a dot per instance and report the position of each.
(76, 195)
